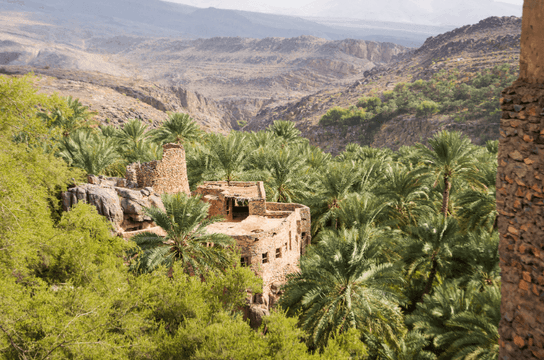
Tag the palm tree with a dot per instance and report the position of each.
(477, 208)
(473, 334)
(184, 221)
(133, 140)
(288, 178)
(410, 348)
(478, 259)
(109, 131)
(450, 156)
(263, 139)
(463, 323)
(431, 247)
(341, 286)
(405, 194)
(314, 156)
(287, 131)
(132, 132)
(76, 120)
(178, 128)
(359, 210)
(227, 155)
(90, 151)
(335, 184)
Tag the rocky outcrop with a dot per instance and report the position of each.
(123, 207)
(105, 200)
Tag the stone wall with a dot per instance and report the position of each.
(520, 197)
(273, 255)
(168, 175)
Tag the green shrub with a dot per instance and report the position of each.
(369, 103)
(427, 108)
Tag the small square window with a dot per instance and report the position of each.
(244, 261)
(265, 258)
(278, 253)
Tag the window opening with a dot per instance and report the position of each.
(240, 209)
(244, 261)
(265, 258)
(278, 253)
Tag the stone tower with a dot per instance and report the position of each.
(520, 197)
(168, 175)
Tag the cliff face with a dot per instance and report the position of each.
(520, 194)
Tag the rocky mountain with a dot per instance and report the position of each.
(211, 79)
(227, 82)
(468, 49)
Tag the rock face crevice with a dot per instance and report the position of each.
(520, 198)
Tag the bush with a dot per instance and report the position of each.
(341, 116)
(427, 108)
(369, 103)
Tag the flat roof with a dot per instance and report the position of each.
(250, 191)
(251, 225)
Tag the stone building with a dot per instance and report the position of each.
(520, 197)
(271, 236)
(122, 200)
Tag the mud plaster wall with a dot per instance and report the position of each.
(221, 205)
(531, 65)
(520, 195)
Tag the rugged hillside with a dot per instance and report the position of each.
(469, 49)
(225, 68)
(117, 99)
(240, 75)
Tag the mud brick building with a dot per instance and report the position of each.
(520, 197)
(270, 236)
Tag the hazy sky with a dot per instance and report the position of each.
(279, 6)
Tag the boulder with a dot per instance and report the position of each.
(104, 199)
(120, 205)
(256, 314)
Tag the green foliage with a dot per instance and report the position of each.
(380, 235)
(179, 128)
(370, 103)
(187, 241)
(448, 94)
(462, 322)
(427, 108)
(18, 103)
(349, 289)
(286, 130)
(340, 116)
(89, 151)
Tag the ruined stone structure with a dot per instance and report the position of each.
(123, 201)
(520, 197)
(270, 236)
(168, 175)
